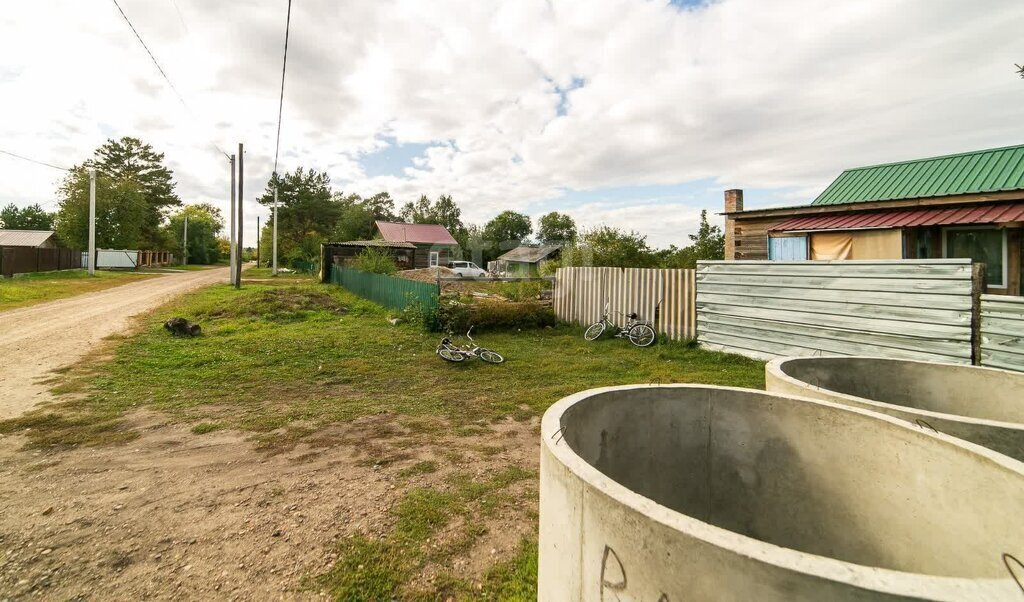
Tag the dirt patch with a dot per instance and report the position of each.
(38, 339)
(176, 514)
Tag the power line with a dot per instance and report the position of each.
(284, 66)
(161, 69)
(24, 158)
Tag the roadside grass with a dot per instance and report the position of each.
(267, 273)
(308, 355)
(40, 287)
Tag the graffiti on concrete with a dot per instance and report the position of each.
(613, 577)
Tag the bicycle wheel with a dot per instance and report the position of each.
(642, 335)
(593, 331)
(451, 356)
(491, 357)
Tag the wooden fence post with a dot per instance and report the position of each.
(977, 288)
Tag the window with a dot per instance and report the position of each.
(433, 259)
(787, 248)
(982, 245)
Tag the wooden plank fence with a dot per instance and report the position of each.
(1002, 332)
(901, 309)
(666, 297)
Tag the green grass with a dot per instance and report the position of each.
(266, 273)
(369, 569)
(272, 355)
(41, 287)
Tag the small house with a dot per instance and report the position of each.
(434, 245)
(525, 261)
(963, 205)
(340, 253)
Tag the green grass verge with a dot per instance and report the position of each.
(267, 273)
(40, 287)
(273, 355)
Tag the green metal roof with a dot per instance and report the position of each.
(992, 170)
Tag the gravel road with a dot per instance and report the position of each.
(39, 339)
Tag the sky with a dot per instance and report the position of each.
(630, 113)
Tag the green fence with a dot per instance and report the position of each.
(389, 291)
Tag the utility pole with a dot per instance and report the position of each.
(273, 272)
(231, 224)
(241, 180)
(92, 222)
(184, 243)
(257, 241)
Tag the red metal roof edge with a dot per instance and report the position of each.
(978, 214)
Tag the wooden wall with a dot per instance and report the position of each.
(751, 237)
(1002, 332)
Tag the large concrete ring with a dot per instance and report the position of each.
(982, 405)
(684, 493)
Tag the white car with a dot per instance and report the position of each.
(466, 269)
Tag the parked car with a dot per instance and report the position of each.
(466, 269)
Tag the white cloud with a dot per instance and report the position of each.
(751, 93)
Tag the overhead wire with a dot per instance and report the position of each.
(163, 73)
(284, 67)
(36, 161)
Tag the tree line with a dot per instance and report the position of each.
(310, 212)
(137, 206)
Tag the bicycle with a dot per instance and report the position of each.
(639, 332)
(454, 353)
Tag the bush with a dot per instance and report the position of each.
(521, 291)
(375, 261)
(458, 317)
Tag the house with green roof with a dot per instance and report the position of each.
(963, 205)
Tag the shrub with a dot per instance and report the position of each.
(521, 291)
(458, 317)
(375, 261)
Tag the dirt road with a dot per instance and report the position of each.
(37, 340)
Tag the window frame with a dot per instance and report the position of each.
(1002, 231)
(434, 260)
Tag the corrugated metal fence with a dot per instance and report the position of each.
(901, 309)
(581, 294)
(1002, 332)
(396, 293)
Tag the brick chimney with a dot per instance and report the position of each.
(733, 203)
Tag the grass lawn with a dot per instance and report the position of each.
(266, 273)
(285, 361)
(49, 286)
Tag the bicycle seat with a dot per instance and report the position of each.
(445, 340)
(632, 316)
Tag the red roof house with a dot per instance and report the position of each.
(435, 245)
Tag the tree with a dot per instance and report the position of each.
(444, 211)
(131, 159)
(121, 211)
(308, 212)
(1020, 70)
(205, 223)
(707, 244)
(508, 229)
(556, 229)
(30, 218)
(610, 247)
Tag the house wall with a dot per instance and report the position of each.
(421, 258)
